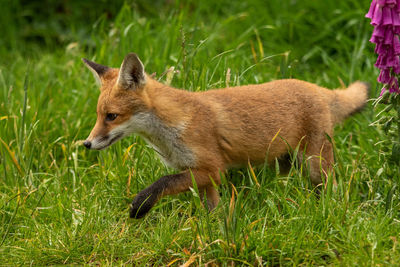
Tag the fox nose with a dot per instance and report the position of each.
(87, 144)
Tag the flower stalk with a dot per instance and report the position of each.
(385, 18)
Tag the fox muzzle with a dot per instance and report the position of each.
(87, 144)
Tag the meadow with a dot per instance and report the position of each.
(63, 204)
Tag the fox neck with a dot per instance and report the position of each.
(162, 134)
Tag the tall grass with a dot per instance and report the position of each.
(62, 204)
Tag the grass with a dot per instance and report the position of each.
(63, 204)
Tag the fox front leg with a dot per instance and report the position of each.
(171, 185)
(212, 196)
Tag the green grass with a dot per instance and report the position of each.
(63, 204)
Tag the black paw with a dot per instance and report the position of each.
(141, 204)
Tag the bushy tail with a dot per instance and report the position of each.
(349, 101)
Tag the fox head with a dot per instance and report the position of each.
(122, 104)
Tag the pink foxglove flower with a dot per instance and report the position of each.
(385, 17)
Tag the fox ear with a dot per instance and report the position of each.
(131, 74)
(97, 69)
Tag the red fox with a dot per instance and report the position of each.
(205, 133)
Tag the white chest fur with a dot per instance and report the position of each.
(164, 139)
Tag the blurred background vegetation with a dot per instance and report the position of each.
(280, 26)
(50, 24)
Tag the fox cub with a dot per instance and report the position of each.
(205, 133)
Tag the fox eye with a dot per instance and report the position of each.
(111, 116)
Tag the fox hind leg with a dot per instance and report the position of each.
(320, 161)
